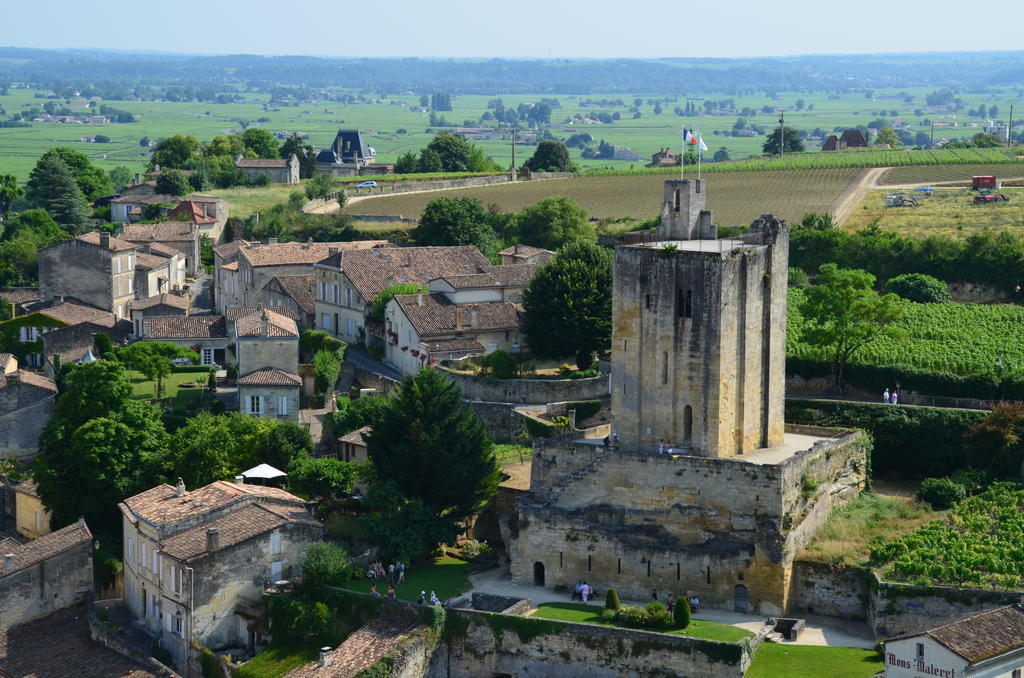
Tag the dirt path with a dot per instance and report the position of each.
(867, 180)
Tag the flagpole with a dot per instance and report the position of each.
(699, 142)
(682, 154)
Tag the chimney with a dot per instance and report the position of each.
(419, 298)
(474, 316)
(212, 540)
(458, 318)
(325, 657)
(254, 245)
(138, 178)
(104, 240)
(239, 480)
(81, 522)
(271, 241)
(264, 324)
(8, 562)
(179, 488)
(156, 168)
(331, 251)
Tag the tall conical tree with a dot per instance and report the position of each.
(52, 186)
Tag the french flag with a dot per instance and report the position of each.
(688, 136)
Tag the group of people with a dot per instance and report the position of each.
(390, 594)
(671, 601)
(668, 447)
(394, 574)
(891, 397)
(583, 591)
(434, 600)
(611, 440)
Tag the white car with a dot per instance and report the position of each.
(367, 184)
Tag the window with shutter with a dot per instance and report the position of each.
(282, 406)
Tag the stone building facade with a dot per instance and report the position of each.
(196, 563)
(697, 360)
(45, 574)
(31, 518)
(279, 170)
(26, 403)
(267, 346)
(94, 268)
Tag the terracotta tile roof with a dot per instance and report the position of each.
(116, 244)
(229, 249)
(255, 163)
(518, 275)
(160, 505)
(171, 231)
(165, 299)
(233, 266)
(366, 646)
(48, 546)
(277, 325)
(160, 250)
(286, 253)
(32, 379)
(203, 198)
(983, 635)
(371, 271)
(146, 199)
(73, 313)
(194, 210)
(357, 437)
(235, 527)
(233, 313)
(299, 288)
(20, 295)
(437, 316)
(28, 487)
(459, 345)
(148, 262)
(269, 376)
(523, 251)
(190, 327)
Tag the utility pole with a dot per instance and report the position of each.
(782, 133)
(514, 177)
(1009, 128)
(931, 144)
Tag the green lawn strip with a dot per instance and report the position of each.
(447, 577)
(813, 661)
(144, 389)
(275, 661)
(591, 614)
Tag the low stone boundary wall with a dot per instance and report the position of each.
(504, 604)
(106, 636)
(530, 391)
(383, 218)
(830, 590)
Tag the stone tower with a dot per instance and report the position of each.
(699, 332)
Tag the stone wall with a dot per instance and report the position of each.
(529, 391)
(501, 420)
(378, 382)
(255, 353)
(28, 409)
(53, 584)
(830, 590)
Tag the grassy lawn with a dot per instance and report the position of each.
(810, 661)
(512, 454)
(446, 576)
(849, 532)
(276, 661)
(144, 389)
(591, 614)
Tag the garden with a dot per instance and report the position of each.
(774, 660)
(637, 617)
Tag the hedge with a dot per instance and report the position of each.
(908, 441)
(187, 369)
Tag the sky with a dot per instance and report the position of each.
(525, 28)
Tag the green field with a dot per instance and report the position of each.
(735, 197)
(809, 661)
(922, 174)
(591, 614)
(956, 339)
(382, 120)
(947, 212)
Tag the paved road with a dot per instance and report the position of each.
(365, 361)
(200, 291)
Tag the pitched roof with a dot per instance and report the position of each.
(233, 313)
(233, 266)
(189, 327)
(164, 299)
(371, 271)
(47, 546)
(116, 244)
(160, 250)
(277, 325)
(269, 376)
(146, 199)
(436, 317)
(229, 249)
(20, 295)
(170, 231)
(457, 345)
(235, 527)
(299, 288)
(357, 437)
(28, 487)
(5, 359)
(983, 635)
(523, 251)
(147, 262)
(258, 163)
(285, 253)
(203, 198)
(193, 210)
(31, 379)
(160, 505)
(366, 646)
(72, 313)
(517, 275)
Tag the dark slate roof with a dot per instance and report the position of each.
(349, 144)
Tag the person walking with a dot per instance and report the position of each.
(885, 396)
(434, 600)
(585, 592)
(670, 602)
(654, 594)
(895, 397)
(422, 600)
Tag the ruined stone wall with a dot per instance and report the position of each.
(529, 391)
(50, 585)
(28, 409)
(830, 590)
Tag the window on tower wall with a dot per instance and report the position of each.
(684, 303)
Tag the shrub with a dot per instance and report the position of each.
(655, 606)
(231, 371)
(681, 613)
(608, 615)
(798, 278)
(941, 493)
(584, 374)
(611, 600)
(503, 365)
(474, 549)
(919, 287)
(660, 619)
(324, 563)
(632, 616)
(210, 665)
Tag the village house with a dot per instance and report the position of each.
(349, 155)
(421, 329)
(158, 269)
(225, 272)
(267, 345)
(851, 138)
(131, 208)
(18, 299)
(26, 403)
(48, 317)
(985, 645)
(196, 563)
(158, 306)
(211, 214)
(45, 574)
(279, 170)
(352, 446)
(348, 282)
(492, 283)
(76, 342)
(95, 268)
(207, 335)
(31, 518)
(294, 292)
(525, 254)
(181, 236)
(664, 158)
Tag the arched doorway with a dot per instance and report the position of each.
(687, 425)
(740, 602)
(538, 574)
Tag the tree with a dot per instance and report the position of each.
(453, 150)
(354, 414)
(996, 444)
(456, 221)
(303, 151)
(553, 222)
(92, 180)
(721, 155)
(793, 142)
(611, 600)
(681, 613)
(154, 359)
(324, 477)
(173, 182)
(843, 314)
(550, 156)
(261, 142)
(324, 563)
(176, 151)
(99, 447)
(432, 447)
(919, 287)
(407, 163)
(320, 185)
(225, 145)
(120, 177)
(10, 191)
(568, 304)
(326, 369)
(23, 235)
(52, 187)
(887, 136)
(380, 302)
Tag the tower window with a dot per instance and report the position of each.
(647, 301)
(675, 200)
(620, 566)
(664, 367)
(684, 303)
(590, 562)
(648, 567)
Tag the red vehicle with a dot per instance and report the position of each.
(990, 197)
(990, 182)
